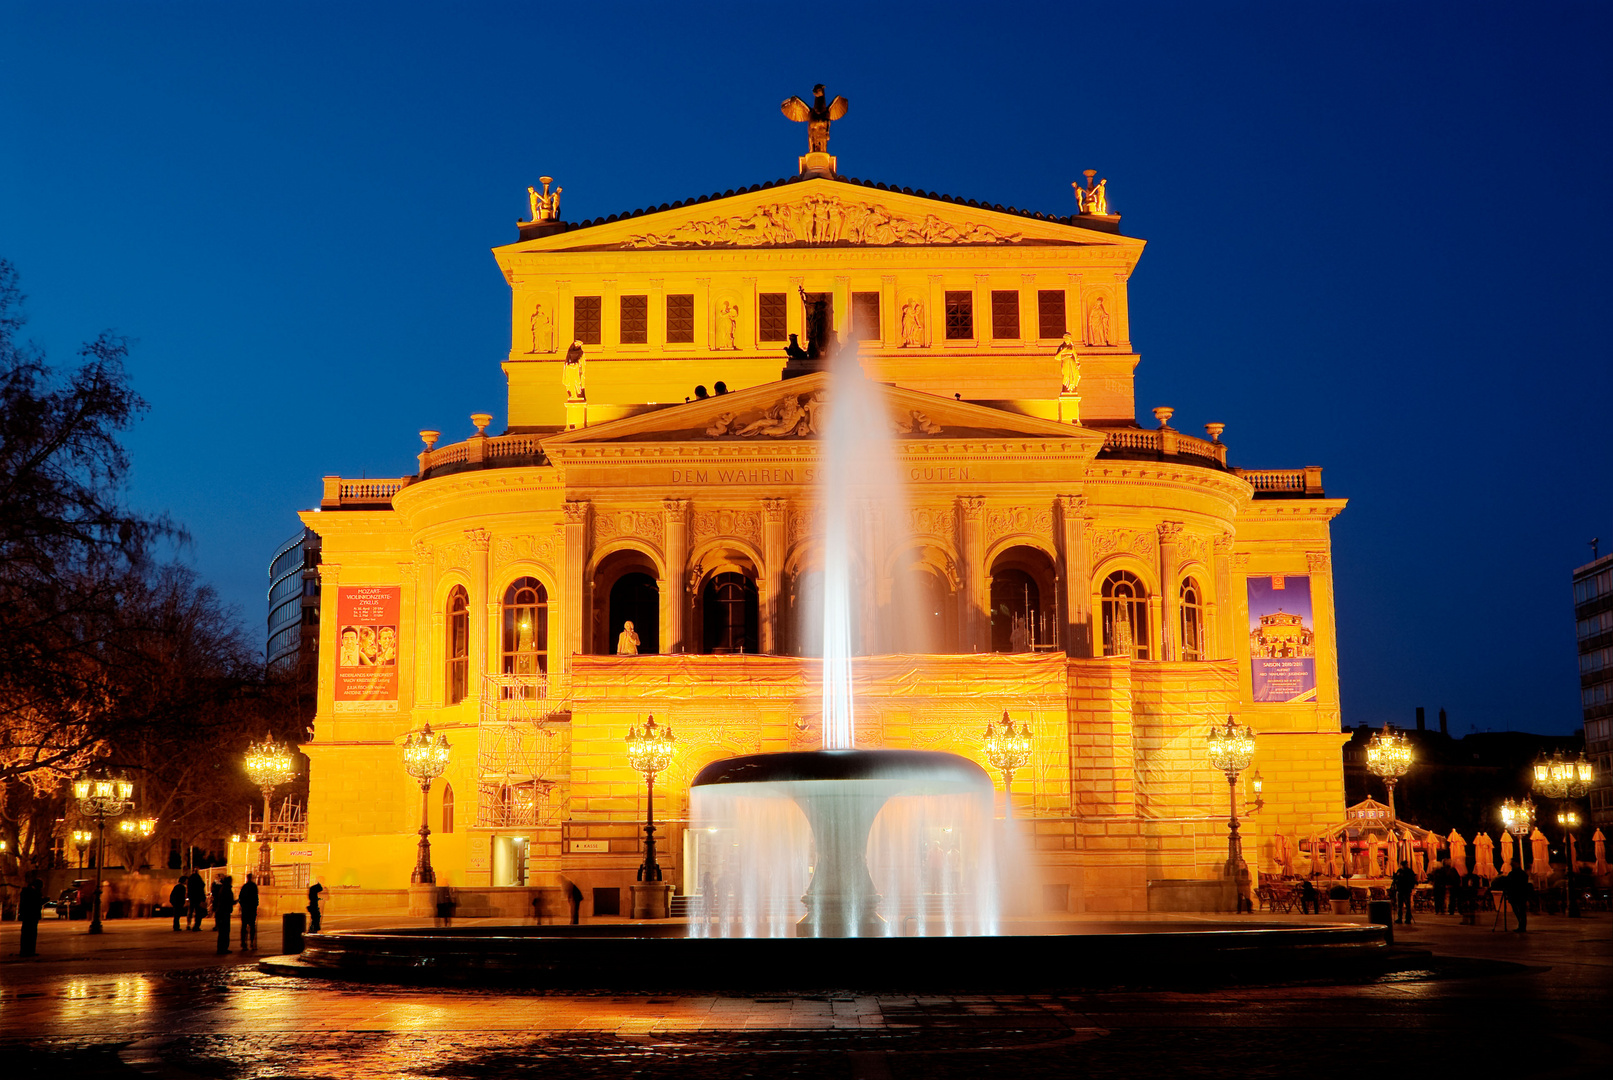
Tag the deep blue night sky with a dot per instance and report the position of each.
(1378, 243)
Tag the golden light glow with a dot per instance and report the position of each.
(1517, 817)
(270, 764)
(103, 796)
(1568, 819)
(1390, 754)
(1557, 777)
(649, 749)
(425, 754)
(1006, 748)
(1231, 749)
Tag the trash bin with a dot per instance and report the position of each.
(1382, 913)
(293, 924)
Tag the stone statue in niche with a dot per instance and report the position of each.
(1098, 324)
(913, 325)
(727, 325)
(627, 641)
(542, 330)
(1069, 362)
(816, 117)
(573, 376)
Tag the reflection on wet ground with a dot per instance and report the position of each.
(1513, 1006)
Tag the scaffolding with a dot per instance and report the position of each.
(520, 744)
(286, 824)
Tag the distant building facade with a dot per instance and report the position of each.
(293, 639)
(1593, 629)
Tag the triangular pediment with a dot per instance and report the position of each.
(821, 212)
(792, 410)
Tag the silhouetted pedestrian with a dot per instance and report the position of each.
(31, 905)
(313, 906)
(196, 899)
(1515, 887)
(1440, 879)
(1403, 884)
(176, 900)
(223, 904)
(248, 900)
(1310, 901)
(1467, 898)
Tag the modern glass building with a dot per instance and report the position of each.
(293, 641)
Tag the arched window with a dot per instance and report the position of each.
(729, 605)
(1192, 597)
(526, 628)
(458, 645)
(1125, 616)
(448, 808)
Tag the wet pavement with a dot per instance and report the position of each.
(143, 1001)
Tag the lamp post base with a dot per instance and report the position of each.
(652, 900)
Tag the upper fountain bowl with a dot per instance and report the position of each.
(916, 770)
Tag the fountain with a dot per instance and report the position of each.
(808, 824)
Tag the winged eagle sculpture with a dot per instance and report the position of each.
(816, 117)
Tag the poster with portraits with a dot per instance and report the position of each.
(367, 643)
(1282, 638)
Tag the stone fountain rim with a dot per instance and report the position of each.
(809, 765)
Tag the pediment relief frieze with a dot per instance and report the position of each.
(820, 220)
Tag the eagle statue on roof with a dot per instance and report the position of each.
(816, 117)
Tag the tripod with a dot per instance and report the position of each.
(1500, 922)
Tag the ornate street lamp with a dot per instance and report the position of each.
(1389, 756)
(1232, 750)
(82, 838)
(1517, 818)
(268, 765)
(101, 797)
(425, 757)
(1559, 778)
(1008, 750)
(136, 830)
(649, 750)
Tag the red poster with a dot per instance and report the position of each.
(367, 643)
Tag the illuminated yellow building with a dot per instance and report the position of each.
(1090, 575)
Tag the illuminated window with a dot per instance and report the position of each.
(680, 318)
(585, 316)
(448, 808)
(635, 320)
(526, 628)
(1004, 313)
(773, 316)
(1125, 616)
(1050, 322)
(1193, 644)
(458, 644)
(960, 316)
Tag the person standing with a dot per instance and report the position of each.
(313, 906)
(1441, 882)
(1467, 896)
(196, 897)
(176, 900)
(223, 904)
(1404, 884)
(249, 914)
(31, 905)
(1310, 902)
(1515, 887)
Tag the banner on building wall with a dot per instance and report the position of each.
(1282, 638)
(367, 643)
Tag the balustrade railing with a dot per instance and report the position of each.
(1163, 441)
(1305, 481)
(340, 492)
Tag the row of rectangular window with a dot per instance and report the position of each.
(1597, 730)
(772, 317)
(1596, 659)
(1596, 624)
(1599, 694)
(1594, 586)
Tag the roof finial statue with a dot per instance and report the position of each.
(1094, 198)
(816, 117)
(545, 206)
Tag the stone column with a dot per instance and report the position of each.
(574, 599)
(772, 583)
(330, 576)
(428, 637)
(1170, 534)
(1224, 607)
(971, 525)
(483, 612)
(890, 319)
(409, 630)
(841, 320)
(677, 586)
(1326, 633)
(1076, 570)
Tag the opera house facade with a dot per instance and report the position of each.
(1116, 586)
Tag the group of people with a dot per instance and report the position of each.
(190, 902)
(1453, 892)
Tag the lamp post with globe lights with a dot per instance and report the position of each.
(1008, 750)
(649, 750)
(136, 830)
(269, 764)
(101, 797)
(82, 839)
(1559, 778)
(1232, 750)
(1517, 818)
(1389, 757)
(425, 757)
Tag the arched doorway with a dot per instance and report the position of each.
(625, 590)
(1024, 616)
(729, 605)
(923, 618)
(805, 612)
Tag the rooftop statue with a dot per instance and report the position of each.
(545, 205)
(816, 117)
